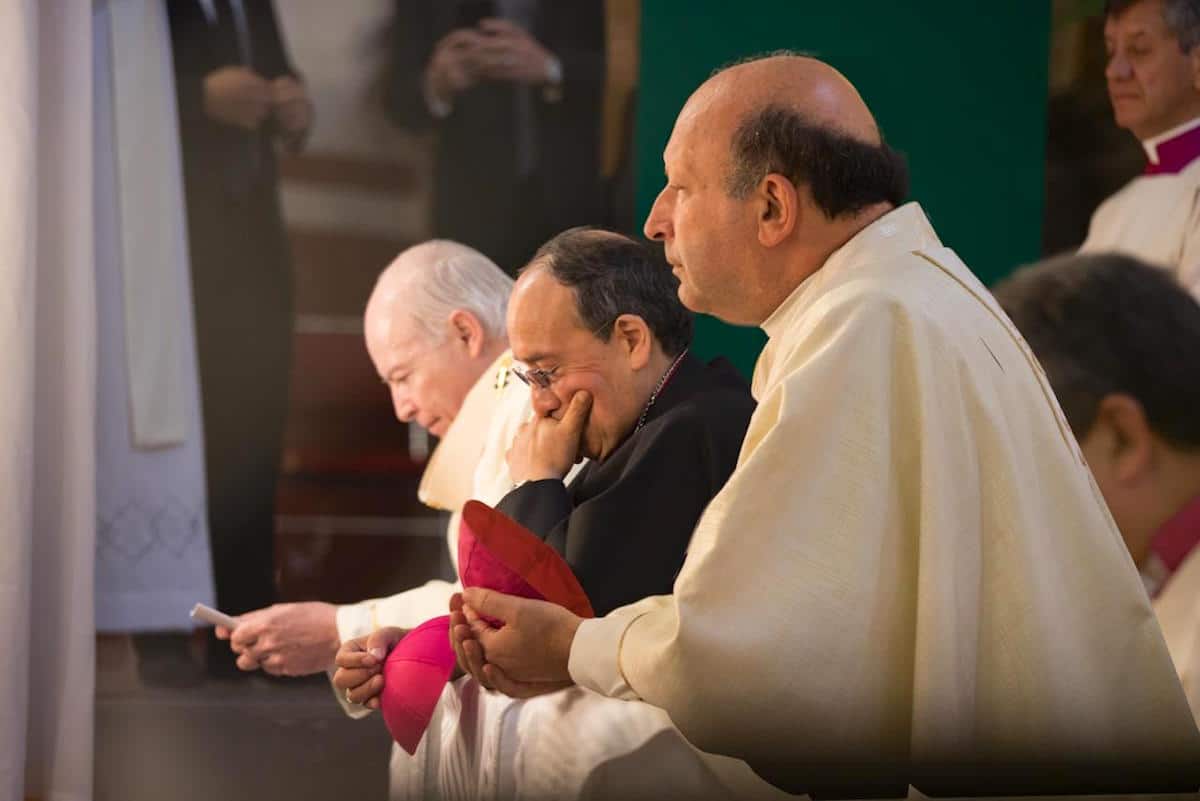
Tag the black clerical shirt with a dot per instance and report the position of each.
(624, 524)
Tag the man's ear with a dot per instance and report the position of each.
(467, 332)
(635, 338)
(1127, 437)
(1194, 60)
(779, 209)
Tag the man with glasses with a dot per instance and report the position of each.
(598, 325)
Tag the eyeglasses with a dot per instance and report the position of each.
(534, 376)
(541, 378)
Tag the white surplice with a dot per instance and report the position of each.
(911, 563)
(469, 462)
(152, 548)
(1155, 218)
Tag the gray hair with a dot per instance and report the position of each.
(439, 276)
(1182, 18)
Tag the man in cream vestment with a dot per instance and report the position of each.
(910, 578)
(1153, 76)
(434, 327)
(1118, 340)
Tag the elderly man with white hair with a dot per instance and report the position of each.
(435, 331)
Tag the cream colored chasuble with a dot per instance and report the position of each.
(910, 563)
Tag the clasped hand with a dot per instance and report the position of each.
(496, 50)
(527, 656)
(238, 96)
(359, 663)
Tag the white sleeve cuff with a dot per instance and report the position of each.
(595, 660)
(355, 620)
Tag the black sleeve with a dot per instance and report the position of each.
(187, 53)
(629, 540)
(538, 506)
(270, 53)
(412, 46)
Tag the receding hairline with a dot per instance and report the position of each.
(801, 83)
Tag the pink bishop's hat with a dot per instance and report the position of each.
(495, 552)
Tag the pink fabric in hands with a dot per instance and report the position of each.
(413, 677)
(494, 552)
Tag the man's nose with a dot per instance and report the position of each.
(544, 401)
(658, 221)
(1118, 68)
(402, 405)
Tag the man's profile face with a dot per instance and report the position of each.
(427, 380)
(545, 333)
(706, 231)
(1151, 81)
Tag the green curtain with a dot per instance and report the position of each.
(959, 87)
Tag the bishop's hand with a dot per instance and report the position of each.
(527, 656)
(546, 447)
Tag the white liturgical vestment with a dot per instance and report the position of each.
(910, 574)
(1156, 216)
(152, 546)
(1172, 574)
(469, 462)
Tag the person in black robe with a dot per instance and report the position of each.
(603, 341)
(514, 90)
(238, 95)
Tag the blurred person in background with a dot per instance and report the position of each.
(1153, 77)
(238, 97)
(1118, 340)
(514, 90)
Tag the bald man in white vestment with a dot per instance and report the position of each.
(910, 577)
(1153, 77)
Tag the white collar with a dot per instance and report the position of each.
(902, 229)
(1151, 144)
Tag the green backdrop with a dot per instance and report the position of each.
(959, 87)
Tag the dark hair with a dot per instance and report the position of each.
(1108, 323)
(612, 275)
(845, 175)
(1182, 18)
